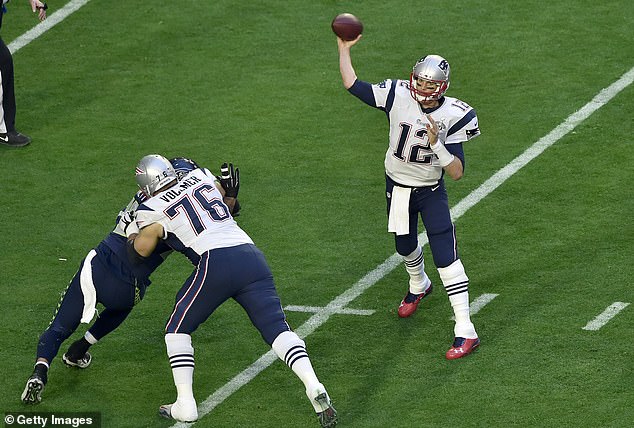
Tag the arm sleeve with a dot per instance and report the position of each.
(363, 91)
(464, 129)
(456, 150)
(146, 216)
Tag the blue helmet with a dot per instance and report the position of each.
(183, 166)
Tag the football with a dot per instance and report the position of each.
(347, 26)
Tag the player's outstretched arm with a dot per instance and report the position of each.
(348, 75)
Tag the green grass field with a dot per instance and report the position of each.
(258, 84)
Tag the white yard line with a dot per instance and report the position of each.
(315, 309)
(609, 313)
(393, 261)
(50, 21)
(479, 303)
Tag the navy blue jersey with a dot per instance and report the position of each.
(112, 252)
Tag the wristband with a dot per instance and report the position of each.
(444, 157)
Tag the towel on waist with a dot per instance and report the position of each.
(399, 211)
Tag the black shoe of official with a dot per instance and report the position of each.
(14, 139)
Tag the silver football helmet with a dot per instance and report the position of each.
(432, 68)
(153, 173)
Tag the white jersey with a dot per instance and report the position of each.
(409, 160)
(193, 216)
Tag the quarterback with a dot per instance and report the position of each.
(426, 133)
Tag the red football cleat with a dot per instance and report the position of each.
(410, 303)
(462, 347)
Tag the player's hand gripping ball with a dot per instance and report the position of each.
(347, 26)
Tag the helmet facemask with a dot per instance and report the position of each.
(432, 68)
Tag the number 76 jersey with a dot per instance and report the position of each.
(194, 217)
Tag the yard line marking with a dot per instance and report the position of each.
(395, 259)
(479, 303)
(50, 21)
(315, 309)
(609, 313)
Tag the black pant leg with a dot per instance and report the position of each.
(7, 92)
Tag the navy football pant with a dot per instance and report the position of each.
(7, 95)
(432, 204)
(116, 295)
(241, 273)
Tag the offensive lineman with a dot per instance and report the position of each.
(193, 217)
(426, 134)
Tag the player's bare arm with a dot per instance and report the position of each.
(147, 239)
(450, 163)
(348, 74)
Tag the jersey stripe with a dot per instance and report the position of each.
(462, 122)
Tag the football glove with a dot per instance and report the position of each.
(128, 223)
(236, 209)
(230, 180)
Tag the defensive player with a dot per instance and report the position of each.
(426, 133)
(105, 276)
(193, 219)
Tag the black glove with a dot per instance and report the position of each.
(236, 209)
(230, 180)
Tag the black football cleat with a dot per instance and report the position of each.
(81, 363)
(32, 393)
(14, 139)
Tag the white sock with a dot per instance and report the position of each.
(456, 283)
(415, 267)
(292, 350)
(44, 363)
(181, 355)
(90, 338)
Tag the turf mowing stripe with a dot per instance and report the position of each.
(609, 313)
(50, 21)
(602, 98)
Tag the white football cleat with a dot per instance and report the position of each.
(326, 412)
(183, 412)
